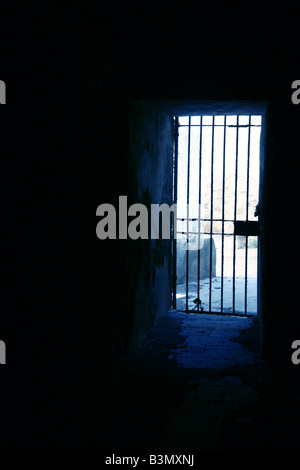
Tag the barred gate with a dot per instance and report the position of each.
(216, 188)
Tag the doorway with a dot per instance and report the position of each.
(217, 186)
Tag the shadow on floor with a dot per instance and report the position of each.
(199, 382)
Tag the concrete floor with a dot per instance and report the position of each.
(199, 382)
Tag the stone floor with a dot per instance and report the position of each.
(199, 382)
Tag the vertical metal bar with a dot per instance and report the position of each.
(259, 253)
(223, 217)
(199, 214)
(235, 209)
(211, 209)
(175, 202)
(248, 170)
(247, 215)
(187, 222)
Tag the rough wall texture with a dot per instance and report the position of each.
(150, 173)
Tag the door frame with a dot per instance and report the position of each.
(177, 108)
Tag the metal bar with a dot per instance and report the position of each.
(238, 125)
(187, 222)
(175, 201)
(223, 216)
(235, 209)
(218, 313)
(246, 274)
(185, 218)
(247, 216)
(206, 220)
(211, 209)
(220, 125)
(205, 233)
(248, 170)
(199, 214)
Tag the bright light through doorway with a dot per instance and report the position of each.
(218, 165)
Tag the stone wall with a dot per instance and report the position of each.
(193, 262)
(150, 174)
